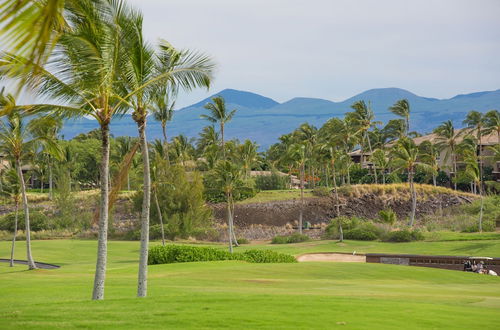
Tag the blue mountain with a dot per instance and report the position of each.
(263, 120)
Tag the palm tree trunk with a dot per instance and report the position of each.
(413, 198)
(301, 196)
(142, 285)
(128, 181)
(158, 210)
(102, 240)
(229, 223)
(235, 240)
(480, 162)
(15, 234)
(481, 210)
(454, 171)
(50, 180)
(337, 204)
(222, 140)
(41, 184)
(31, 262)
(165, 141)
(371, 152)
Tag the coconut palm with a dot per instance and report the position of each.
(472, 170)
(219, 114)
(163, 103)
(248, 155)
(123, 146)
(430, 153)
(12, 191)
(381, 161)
(335, 154)
(406, 157)
(492, 123)
(402, 108)
(83, 77)
(16, 141)
(448, 138)
(476, 122)
(297, 153)
(228, 175)
(363, 119)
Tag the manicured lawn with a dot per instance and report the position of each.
(238, 295)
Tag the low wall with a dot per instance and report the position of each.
(444, 262)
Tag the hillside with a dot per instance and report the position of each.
(262, 119)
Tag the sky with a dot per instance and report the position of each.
(334, 49)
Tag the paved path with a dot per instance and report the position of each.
(41, 265)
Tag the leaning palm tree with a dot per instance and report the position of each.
(219, 114)
(448, 138)
(402, 108)
(406, 157)
(12, 191)
(16, 141)
(229, 176)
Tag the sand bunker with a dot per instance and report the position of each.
(331, 257)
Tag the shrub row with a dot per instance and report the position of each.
(185, 253)
(294, 238)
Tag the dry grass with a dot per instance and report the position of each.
(399, 189)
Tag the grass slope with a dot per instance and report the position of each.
(234, 294)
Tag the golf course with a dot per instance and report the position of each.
(237, 294)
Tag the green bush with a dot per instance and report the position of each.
(332, 230)
(404, 235)
(362, 233)
(242, 240)
(321, 191)
(272, 182)
(387, 216)
(294, 238)
(186, 253)
(38, 221)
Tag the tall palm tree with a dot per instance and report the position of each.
(364, 119)
(144, 71)
(297, 153)
(402, 108)
(334, 154)
(448, 138)
(83, 77)
(406, 157)
(381, 161)
(219, 114)
(248, 155)
(16, 141)
(124, 145)
(473, 171)
(492, 123)
(228, 175)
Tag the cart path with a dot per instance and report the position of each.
(41, 265)
(331, 257)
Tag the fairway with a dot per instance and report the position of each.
(233, 294)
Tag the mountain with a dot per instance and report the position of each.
(262, 119)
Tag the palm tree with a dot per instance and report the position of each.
(16, 140)
(182, 149)
(402, 108)
(475, 121)
(364, 119)
(430, 153)
(124, 145)
(247, 153)
(406, 157)
(219, 114)
(334, 154)
(473, 171)
(163, 103)
(492, 123)
(228, 176)
(381, 161)
(83, 76)
(308, 134)
(297, 153)
(12, 190)
(447, 137)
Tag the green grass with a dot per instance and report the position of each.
(233, 294)
(276, 195)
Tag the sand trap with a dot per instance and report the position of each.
(331, 257)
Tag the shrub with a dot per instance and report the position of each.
(294, 238)
(332, 230)
(404, 235)
(242, 240)
(388, 216)
(321, 191)
(186, 253)
(272, 182)
(360, 234)
(38, 221)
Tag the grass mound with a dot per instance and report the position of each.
(184, 253)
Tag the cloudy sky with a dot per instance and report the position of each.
(334, 49)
